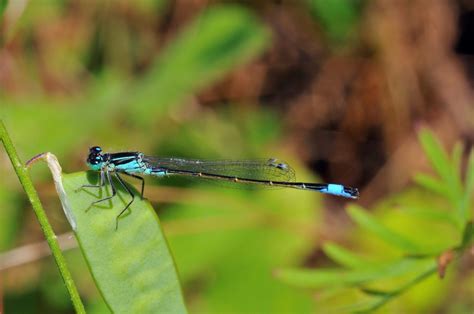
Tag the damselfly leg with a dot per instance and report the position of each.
(129, 203)
(105, 178)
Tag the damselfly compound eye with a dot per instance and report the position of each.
(95, 149)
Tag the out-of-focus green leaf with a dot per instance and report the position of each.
(220, 39)
(10, 221)
(464, 211)
(334, 277)
(344, 257)
(433, 214)
(368, 222)
(468, 235)
(132, 266)
(97, 307)
(230, 246)
(3, 6)
(432, 184)
(375, 292)
(435, 153)
(427, 270)
(456, 156)
(339, 17)
(441, 163)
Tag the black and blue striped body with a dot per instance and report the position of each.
(268, 172)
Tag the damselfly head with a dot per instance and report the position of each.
(95, 158)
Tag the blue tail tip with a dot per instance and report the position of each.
(351, 192)
(341, 190)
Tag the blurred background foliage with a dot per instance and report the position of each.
(336, 88)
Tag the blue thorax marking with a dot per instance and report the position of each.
(125, 162)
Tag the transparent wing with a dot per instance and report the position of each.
(270, 169)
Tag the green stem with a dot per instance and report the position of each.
(27, 184)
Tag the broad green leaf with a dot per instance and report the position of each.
(220, 39)
(334, 277)
(367, 221)
(343, 256)
(132, 266)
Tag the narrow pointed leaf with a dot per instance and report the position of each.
(359, 307)
(464, 210)
(442, 164)
(468, 235)
(132, 266)
(338, 277)
(216, 42)
(433, 214)
(343, 256)
(376, 292)
(432, 184)
(435, 153)
(367, 221)
(456, 158)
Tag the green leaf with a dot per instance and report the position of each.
(425, 272)
(337, 277)
(343, 256)
(456, 158)
(241, 237)
(435, 153)
(359, 307)
(433, 214)
(375, 292)
(367, 221)
(3, 6)
(339, 17)
(132, 266)
(219, 40)
(441, 163)
(464, 212)
(468, 235)
(432, 184)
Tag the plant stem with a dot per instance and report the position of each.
(27, 184)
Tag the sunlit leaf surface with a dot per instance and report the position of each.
(132, 266)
